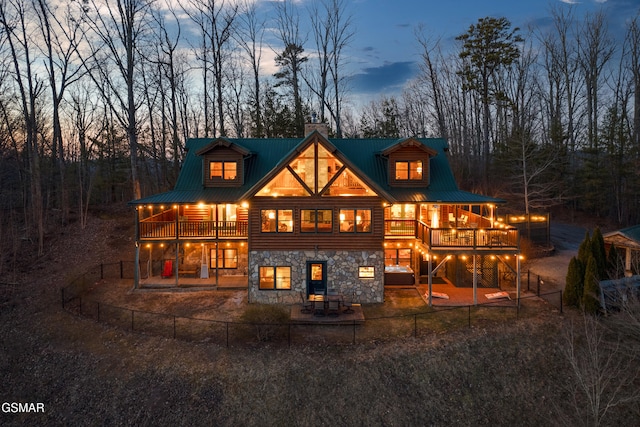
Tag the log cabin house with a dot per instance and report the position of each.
(291, 217)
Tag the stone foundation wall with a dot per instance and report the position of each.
(342, 274)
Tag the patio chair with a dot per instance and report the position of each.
(452, 219)
(348, 304)
(318, 308)
(167, 271)
(306, 304)
(334, 307)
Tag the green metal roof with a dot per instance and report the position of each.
(364, 156)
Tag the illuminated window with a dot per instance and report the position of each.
(275, 278)
(315, 171)
(366, 272)
(284, 184)
(347, 184)
(355, 220)
(316, 220)
(397, 257)
(226, 171)
(276, 220)
(409, 170)
(226, 258)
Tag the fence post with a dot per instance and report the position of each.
(560, 300)
(354, 332)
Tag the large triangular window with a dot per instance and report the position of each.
(316, 171)
(284, 184)
(347, 184)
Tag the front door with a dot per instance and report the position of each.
(316, 277)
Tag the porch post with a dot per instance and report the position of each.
(430, 280)
(175, 264)
(136, 270)
(518, 277)
(475, 281)
(136, 267)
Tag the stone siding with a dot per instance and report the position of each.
(342, 274)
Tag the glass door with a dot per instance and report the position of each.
(316, 277)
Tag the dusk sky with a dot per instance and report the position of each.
(384, 49)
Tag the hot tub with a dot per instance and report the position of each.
(398, 275)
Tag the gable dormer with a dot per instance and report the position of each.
(223, 163)
(409, 163)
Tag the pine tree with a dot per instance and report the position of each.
(575, 275)
(591, 294)
(585, 249)
(614, 264)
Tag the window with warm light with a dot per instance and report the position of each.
(366, 272)
(226, 258)
(226, 171)
(355, 220)
(408, 170)
(276, 220)
(275, 278)
(398, 256)
(316, 220)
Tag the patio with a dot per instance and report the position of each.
(195, 283)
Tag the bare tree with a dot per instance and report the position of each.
(215, 20)
(249, 36)
(60, 37)
(82, 118)
(14, 23)
(168, 63)
(602, 376)
(332, 29)
(118, 27)
(596, 48)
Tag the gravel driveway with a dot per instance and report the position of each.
(566, 239)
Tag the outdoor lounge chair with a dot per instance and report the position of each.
(167, 271)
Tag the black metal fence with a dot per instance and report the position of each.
(227, 333)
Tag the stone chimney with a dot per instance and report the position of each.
(322, 128)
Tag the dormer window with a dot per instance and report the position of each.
(408, 170)
(225, 171)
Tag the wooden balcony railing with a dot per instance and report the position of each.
(400, 227)
(192, 229)
(483, 238)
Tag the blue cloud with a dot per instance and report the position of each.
(390, 76)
